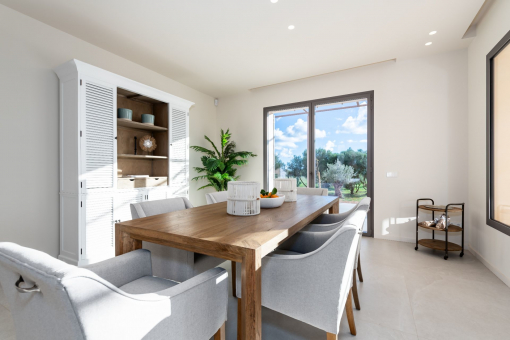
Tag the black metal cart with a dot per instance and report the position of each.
(439, 244)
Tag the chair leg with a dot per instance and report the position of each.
(220, 334)
(234, 267)
(359, 269)
(355, 290)
(332, 336)
(350, 314)
(239, 320)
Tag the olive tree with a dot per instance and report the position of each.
(338, 174)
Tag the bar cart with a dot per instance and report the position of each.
(439, 244)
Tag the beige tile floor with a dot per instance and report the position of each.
(406, 295)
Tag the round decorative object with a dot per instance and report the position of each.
(287, 187)
(148, 143)
(243, 198)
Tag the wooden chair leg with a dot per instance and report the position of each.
(220, 334)
(234, 267)
(239, 320)
(350, 313)
(359, 269)
(355, 290)
(332, 336)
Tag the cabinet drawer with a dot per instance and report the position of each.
(132, 183)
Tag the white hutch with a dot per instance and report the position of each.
(97, 152)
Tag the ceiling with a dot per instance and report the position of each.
(221, 47)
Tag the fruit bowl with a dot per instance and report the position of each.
(268, 203)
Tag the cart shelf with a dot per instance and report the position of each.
(451, 228)
(439, 244)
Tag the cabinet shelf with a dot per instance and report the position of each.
(141, 126)
(141, 156)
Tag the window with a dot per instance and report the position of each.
(498, 138)
(326, 143)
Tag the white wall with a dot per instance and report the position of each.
(420, 130)
(490, 245)
(29, 50)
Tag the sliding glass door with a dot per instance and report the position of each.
(326, 143)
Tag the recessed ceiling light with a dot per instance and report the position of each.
(274, 1)
(433, 32)
(428, 44)
(291, 27)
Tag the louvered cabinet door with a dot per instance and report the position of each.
(124, 198)
(179, 153)
(157, 194)
(99, 226)
(98, 126)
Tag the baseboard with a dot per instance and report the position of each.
(398, 239)
(68, 260)
(500, 275)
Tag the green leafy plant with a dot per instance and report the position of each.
(219, 166)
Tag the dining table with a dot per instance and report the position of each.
(210, 230)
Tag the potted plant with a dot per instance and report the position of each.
(219, 167)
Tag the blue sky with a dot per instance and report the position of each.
(335, 130)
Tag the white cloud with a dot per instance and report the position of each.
(363, 141)
(299, 127)
(320, 133)
(350, 141)
(337, 131)
(330, 145)
(286, 153)
(356, 125)
(294, 134)
(339, 118)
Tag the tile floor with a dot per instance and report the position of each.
(406, 294)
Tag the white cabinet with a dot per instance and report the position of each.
(124, 198)
(98, 232)
(94, 146)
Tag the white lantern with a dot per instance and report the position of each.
(243, 198)
(287, 187)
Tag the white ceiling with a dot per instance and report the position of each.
(221, 47)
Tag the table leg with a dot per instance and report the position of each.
(335, 208)
(251, 281)
(124, 243)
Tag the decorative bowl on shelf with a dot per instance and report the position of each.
(273, 202)
(125, 114)
(148, 119)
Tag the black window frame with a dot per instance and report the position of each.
(310, 104)
(500, 46)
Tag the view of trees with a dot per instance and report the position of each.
(346, 169)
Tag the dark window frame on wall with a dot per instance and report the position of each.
(310, 105)
(490, 218)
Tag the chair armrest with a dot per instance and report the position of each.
(199, 305)
(124, 268)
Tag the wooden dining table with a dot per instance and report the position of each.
(211, 231)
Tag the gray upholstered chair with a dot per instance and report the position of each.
(333, 222)
(216, 197)
(312, 191)
(310, 279)
(168, 262)
(115, 299)
(326, 222)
